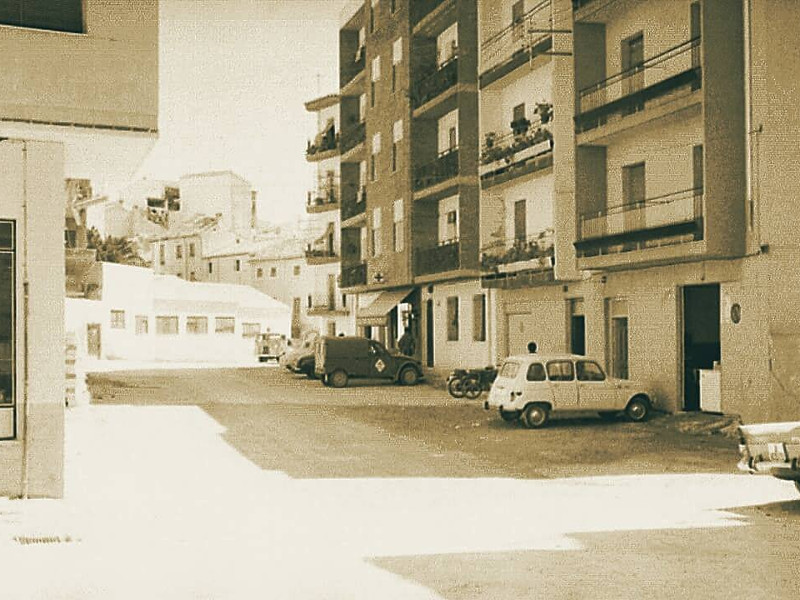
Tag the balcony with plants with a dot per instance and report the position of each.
(435, 82)
(324, 198)
(525, 148)
(521, 253)
(515, 45)
(437, 171)
(662, 220)
(325, 145)
(437, 259)
(629, 91)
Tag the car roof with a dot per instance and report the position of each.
(536, 357)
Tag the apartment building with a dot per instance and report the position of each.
(220, 192)
(409, 172)
(80, 101)
(325, 307)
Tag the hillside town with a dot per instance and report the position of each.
(531, 330)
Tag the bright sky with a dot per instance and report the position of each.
(234, 77)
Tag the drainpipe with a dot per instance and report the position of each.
(25, 323)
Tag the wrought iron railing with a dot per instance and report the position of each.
(660, 211)
(538, 247)
(443, 168)
(434, 83)
(353, 275)
(522, 35)
(440, 258)
(328, 141)
(322, 196)
(505, 146)
(353, 136)
(657, 69)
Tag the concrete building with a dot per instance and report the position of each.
(219, 192)
(80, 101)
(410, 218)
(135, 314)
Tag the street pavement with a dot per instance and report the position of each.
(255, 483)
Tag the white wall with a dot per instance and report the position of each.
(538, 193)
(526, 85)
(447, 122)
(465, 352)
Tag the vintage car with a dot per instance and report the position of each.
(300, 356)
(270, 346)
(772, 449)
(532, 386)
(338, 359)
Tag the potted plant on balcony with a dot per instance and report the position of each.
(545, 112)
(520, 126)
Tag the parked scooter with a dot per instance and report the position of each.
(470, 383)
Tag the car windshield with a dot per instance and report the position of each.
(509, 369)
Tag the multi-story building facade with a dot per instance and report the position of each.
(81, 102)
(220, 192)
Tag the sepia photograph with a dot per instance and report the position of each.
(399, 299)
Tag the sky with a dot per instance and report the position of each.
(234, 75)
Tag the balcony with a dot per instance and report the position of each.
(439, 259)
(437, 171)
(355, 205)
(320, 256)
(527, 253)
(435, 83)
(528, 147)
(664, 220)
(353, 275)
(324, 146)
(353, 136)
(323, 199)
(515, 45)
(628, 92)
(326, 307)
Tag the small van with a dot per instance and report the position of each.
(531, 386)
(338, 359)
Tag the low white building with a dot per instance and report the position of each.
(141, 316)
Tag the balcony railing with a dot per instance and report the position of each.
(422, 8)
(440, 258)
(322, 306)
(434, 83)
(328, 140)
(323, 196)
(353, 136)
(356, 204)
(526, 140)
(628, 90)
(353, 275)
(524, 252)
(443, 168)
(320, 254)
(661, 212)
(518, 38)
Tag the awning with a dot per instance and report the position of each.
(374, 314)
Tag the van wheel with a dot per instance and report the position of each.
(409, 376)
(509, 416)
(535, 416)
(338, 379)
(638, 409)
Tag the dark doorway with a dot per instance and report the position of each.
(429, 332)
(577, 328)
(701, 343)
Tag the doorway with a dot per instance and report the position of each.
(429, 332)
(701, 338)
(577, 327)
(93, 339)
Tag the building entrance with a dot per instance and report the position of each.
(701, 339)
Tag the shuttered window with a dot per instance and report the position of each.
(52, 15)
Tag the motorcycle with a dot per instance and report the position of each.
(470, 383)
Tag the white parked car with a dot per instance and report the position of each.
(531, 386)
(771, 448)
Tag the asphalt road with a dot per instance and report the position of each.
(282, 422)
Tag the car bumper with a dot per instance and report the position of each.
(779, 469)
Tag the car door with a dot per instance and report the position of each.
(595, 391)
(381, 365)
(536, 388)
(563, 388)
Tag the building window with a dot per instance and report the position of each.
(64, 15)
(197, 325)
(161, 254)
(375, 77)
(226, 325)
(375, 232)
(296, 270)
(376, 149)
(166, 325)
(397, 58)
(251, 330)
(179, 251)
(344, 300)
(633, 184)
(117, 319)
(398, 235)
(273, 272)
(309, 301)
(394, 6)
(452, 319)
(237, 265)
(7, 316)
(397, 136)
(447, 45)
(372, 11)
(331, 328)
(479, 317)
(617, 321)
(520, 221)
(192, 276)
(210, 267)
(191, 249)
(142, 325)
(259, 273)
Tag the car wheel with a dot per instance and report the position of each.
(638, 409)
(409, 376)
(535, 415)
(338, 379)
(472, 389)
(608, 415)
(509, 416)
(456, 388)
